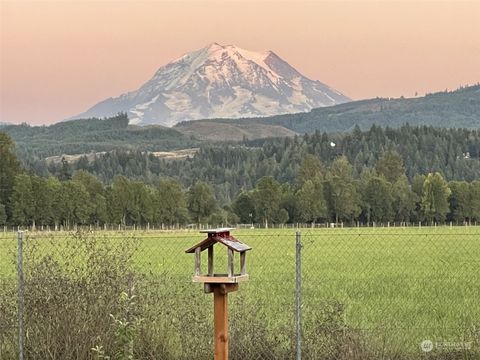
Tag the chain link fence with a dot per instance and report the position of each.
(374, 293)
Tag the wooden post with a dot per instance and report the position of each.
(197, 261)
(243, 269)
(210, 261)
(220, 310)
(230, 263)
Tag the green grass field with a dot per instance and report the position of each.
(396, 286)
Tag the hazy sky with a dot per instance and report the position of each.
(59, 58)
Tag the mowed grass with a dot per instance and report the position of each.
(397, 286)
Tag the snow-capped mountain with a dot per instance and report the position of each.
(219, 82)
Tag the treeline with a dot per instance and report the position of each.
(460, 109)
(93, 135)
(84, 200)
(229, 168)
(318, 193)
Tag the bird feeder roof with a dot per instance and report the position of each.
(221, 236)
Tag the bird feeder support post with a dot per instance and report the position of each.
(220, 312)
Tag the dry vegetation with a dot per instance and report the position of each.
(123, 296)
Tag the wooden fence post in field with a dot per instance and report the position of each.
(298, 294)
(21, 299)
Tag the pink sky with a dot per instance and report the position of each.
(59, 58)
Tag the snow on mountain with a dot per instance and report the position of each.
(219, 82)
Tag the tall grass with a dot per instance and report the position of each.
(104, 296)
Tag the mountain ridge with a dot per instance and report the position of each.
(452, 109)
(455, 109)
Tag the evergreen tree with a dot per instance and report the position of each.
(289, 202)
(244, 207)
(9, 169)
(404, 200)
(99, 213)
(417, 189)
(340, 191)
(267, 196)
(475, 200)
(460, 201)
(54, 186)
(119, 200)
(435, 195)
(282, 216)
(23, 200)
(43, 201)
(311, 169)
(378, 196)
(223, 216)
(390, 165)
(75, 207)
(362, 186)
(89, 181)
(142, 209)
(3, 215)
(172, 204)
(201, 202)
(311, 202)
(65, 171)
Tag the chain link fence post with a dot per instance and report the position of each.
(21, 299)
(298, 294)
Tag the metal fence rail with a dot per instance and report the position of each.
(377, 293)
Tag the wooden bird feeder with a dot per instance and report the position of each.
(220, 284)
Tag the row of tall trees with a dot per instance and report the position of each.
(85, 200)
(317, 193)
(380, 195)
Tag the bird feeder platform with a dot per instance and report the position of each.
(220, 236)
(220, 284)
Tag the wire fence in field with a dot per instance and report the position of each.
(397, 290)
(377, 293)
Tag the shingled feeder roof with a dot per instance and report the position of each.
(221, 236)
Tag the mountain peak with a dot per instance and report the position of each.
(220, 81)
(215, 46)
(233, 50)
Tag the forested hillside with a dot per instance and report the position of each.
(455, 153)
(93, 135)
(455, 109)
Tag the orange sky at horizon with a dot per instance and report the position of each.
(59, 58)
